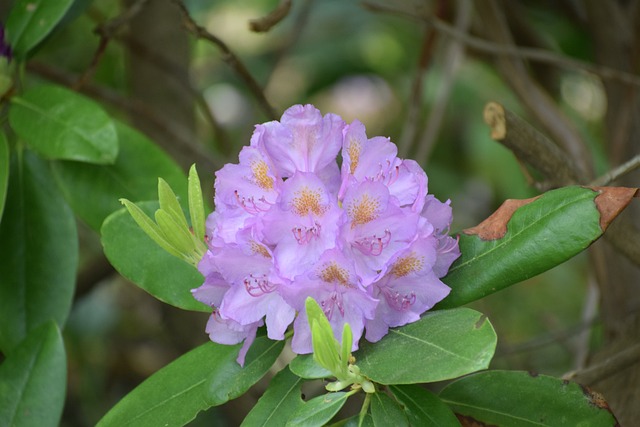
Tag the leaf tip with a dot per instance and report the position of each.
(611, 201)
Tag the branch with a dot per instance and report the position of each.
(618, 172)
(264, 24)
(608, 367)
(230, 58)
(529, 145)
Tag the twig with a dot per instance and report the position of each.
(532, 54)
(608, 367)
(618, 172)
(455, 53)
(529, 145)
(589, 311)
(264, 24)
(229, 58)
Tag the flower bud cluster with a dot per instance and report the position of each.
(315, 208)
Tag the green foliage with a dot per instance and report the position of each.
(422, 407)
(306, 367)
(33, 380)
(204, 377)
(138, 258)
(517, 399)
(319, 410)
(540, 235)
(386, 412)
(61, 124)
(38, 252)
(30, 21)
(4, 170)
(442, 345)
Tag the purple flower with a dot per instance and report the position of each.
(363, 238)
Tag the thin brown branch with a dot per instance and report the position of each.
(529, 145)
(608, 367)
(617, 173)
(230, 58)
(528, 53)
(264, 24)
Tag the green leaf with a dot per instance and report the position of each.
(442, 345)
(4, 170)
(138, 258)
(175, 394)
(169, 203)
(326, 349)
(33, 380)
(196, 204)
(319, 410)
(30, 21)
(38, 252)
(521, 399)
(93, 191)
(306, 367)
(423, 408)
(61, 124)
(539, 235)
(282, 398)
(355, 421)
(386, 412)
(176, 234)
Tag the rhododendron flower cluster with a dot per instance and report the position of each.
(362, 237)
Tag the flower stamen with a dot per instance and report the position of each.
(258, 285)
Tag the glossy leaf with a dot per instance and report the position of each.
(38, 252)
(442, 345)
(4, 170)
(539, 235)
(521, 399)
(386, 412)
(306, 367)
(423, 408)
(30, 21)
(174, 395)
(278, 403)
(354, 421)
(93, 191)
(33, 380)
(138, 258)
(62, 124)
(319, 410)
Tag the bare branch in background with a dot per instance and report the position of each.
(612, 365)
(264, 24)
(228, 57)
(454, 55)
(618, 172)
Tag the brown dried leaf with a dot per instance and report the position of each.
(611, 201)
(495, 226)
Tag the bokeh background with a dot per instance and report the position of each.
(395, 71)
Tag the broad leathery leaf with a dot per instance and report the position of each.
(33, 379)
(517, 399)
(62, 124)
(444, 344)
(4, 170)
(518, 243)
(319, 410)
(386, 412)
(38, 252)
(138, 258)
(196, 204)
(93, 190)
(175, 394)
(30, 21)
(423, 408)
(281, 399)
(354, 421)
(306, 367)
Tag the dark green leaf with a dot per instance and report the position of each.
(386, 412)
(282, 398)
(33, 380)
(38, 252)
(61, 124)
(141, 260)
(319, 410)
(442, 345)
(539, 235)
(31, 20)
(354, 421)
(304, 366)
(424, 408)
(4, 170)
(175, 394)
(510, 398)
(93, 191)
